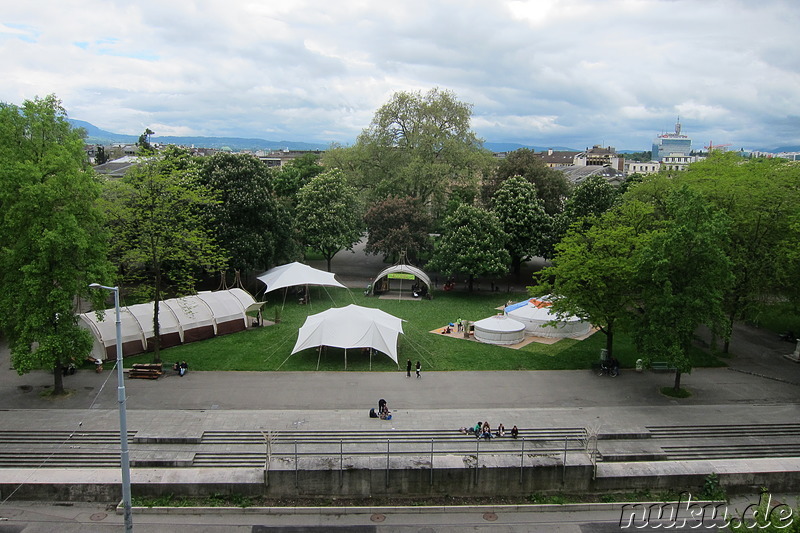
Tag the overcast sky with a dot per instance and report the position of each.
(541, 72)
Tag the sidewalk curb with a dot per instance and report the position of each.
(529, 508)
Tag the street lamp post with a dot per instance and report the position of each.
(123, 424)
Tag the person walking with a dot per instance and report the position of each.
(419, 368)
(408, 369)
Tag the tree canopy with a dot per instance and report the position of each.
(473, 244)
(594, 271)
(52, 240)
(328, 216)
(248, 221)
(161, 239)
(522, 216)
(552, 187)
(395, 225)
(417, 145)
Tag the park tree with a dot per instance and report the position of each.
(523, 219)
(52, 240)
(292, 176)
(248, 221)
(396, 225)
(327, 214)
(417, 145)
(683, 275)
(161, 239)
(552, 187)
(145, 148)
(473, 244)
(590, 198)
(762, 201)
(595, 267)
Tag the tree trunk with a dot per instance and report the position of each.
(677, 385)
(609, 340)
(471, 279)
(516, 266)
(726, 346)
(156, 323)
(58, 379)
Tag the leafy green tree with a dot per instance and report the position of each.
(145, 148)
(594, 271)
(395, 225)
(590, 198)
(52, 241)
(762, 201)
(683, 275)
(473, 244)
(160, 235)
(101, 156)
(523, 219)
(248, 220)
(552, 187)
(292, 176)
(417, 145)
(328, 217)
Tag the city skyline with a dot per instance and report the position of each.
(570, 73)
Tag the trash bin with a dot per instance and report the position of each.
(639, 365)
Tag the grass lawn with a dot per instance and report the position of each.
(268, 348)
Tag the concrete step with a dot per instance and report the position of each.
(59, 437)
(320, 437)
(723, 431)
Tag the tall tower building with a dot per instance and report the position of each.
(672, 144)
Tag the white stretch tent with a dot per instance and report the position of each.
(499, 329)
(351, 327)
(296, 273)
(180, 320)
(536, 316)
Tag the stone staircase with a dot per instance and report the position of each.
(715, 441)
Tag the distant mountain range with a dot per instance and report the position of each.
(97, 136)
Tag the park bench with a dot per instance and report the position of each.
(661, 366)
(146, 371)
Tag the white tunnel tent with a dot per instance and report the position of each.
(181, 320)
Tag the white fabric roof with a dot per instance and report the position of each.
(351, 327)
(499, 323)
(175, 315)
(296, 274)
(404, 269)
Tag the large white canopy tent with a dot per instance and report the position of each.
(180, 320)
(293, 274)
(352, 326)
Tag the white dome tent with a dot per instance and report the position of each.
(181, 320)
(539, 321)
(399, 276)
(499, 329)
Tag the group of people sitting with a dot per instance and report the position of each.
(383, 411)
(482, 430)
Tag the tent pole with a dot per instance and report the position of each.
(345, 358)
(319, 355)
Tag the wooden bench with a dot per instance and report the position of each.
(146, 371)
(661, 366)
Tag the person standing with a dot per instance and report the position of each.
(419, 368)
(408, 369)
